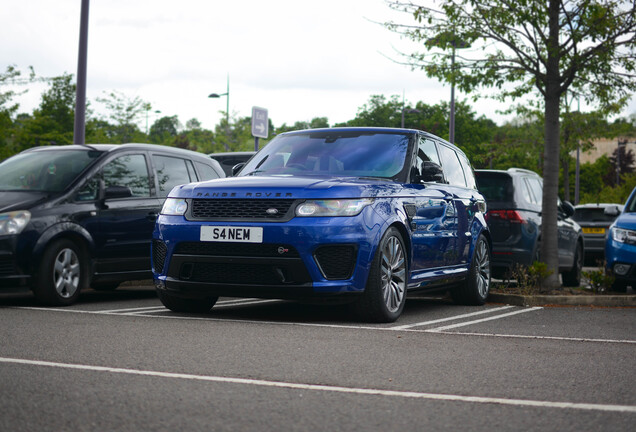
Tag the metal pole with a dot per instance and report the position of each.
(227, 106)
(80, 96)
(576, 182)
(618, 163)
(451, 126)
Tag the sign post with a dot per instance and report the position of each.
(260, 125)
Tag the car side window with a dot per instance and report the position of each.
(131, 171)
(90, 190)
(206, 172)
(452, 168)
(171, 172)
(469, 175)
(426, 152)
(536, 188)
(524, 190)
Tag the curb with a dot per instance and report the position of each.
(572, 300)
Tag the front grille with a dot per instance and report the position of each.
(159, 250)
(247, 274)
(7, 266)
(255, 209)
(236, 249)
(336, 262)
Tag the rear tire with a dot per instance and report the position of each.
(384, 296)
(474, 291)
(62, 274)
(179, 304)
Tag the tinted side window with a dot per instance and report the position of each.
(495, 186)
(206, 172)
(171, 172)
(468, 172)
(452, 168)
(537, 189)
(131, 171)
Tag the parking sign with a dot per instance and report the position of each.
(260, 125)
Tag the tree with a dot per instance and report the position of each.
(524, 47)
(125, 112)
(7, 110)
(53, 121)
(165, 129)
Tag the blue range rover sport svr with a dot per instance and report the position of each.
(364, 214)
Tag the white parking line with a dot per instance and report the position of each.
(334, 389)
(336, 326)
(423, 323)
(462, 324)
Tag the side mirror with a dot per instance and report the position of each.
(567, 208)
(238, 167)
(612, 211)
(431, 172)
(117, 192)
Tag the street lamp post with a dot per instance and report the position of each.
(443, 40)
(227, 110)
(79, 131)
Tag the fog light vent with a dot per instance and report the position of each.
(621, 269)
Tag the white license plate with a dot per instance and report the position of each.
(232, 234)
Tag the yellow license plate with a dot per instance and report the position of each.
(593, 230)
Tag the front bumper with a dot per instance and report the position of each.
(621, 260)
(300, 258)
(12, 275)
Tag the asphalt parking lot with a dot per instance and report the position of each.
(120, 361)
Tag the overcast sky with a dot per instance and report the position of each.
(299, 59)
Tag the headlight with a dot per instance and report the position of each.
(14, 222)
(624, 236)
(174, 207)
(343, 207)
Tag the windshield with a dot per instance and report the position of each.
(44, 171)
(333, 153)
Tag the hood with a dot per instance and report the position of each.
(20, 200)
(626, 221)
(290, 187)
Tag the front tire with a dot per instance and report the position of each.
(572, 277)
(474, 291)
(384, 296)
(62, 274)
(179, 304)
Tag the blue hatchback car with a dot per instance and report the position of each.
(359, 215)
(620, 247)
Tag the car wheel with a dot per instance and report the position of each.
(572, 277)
(62, 274)
(474, 291)
(179, 304)
(105, 286)
(385, 293)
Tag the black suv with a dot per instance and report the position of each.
(73, 216)
(514, 218)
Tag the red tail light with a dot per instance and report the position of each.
(512, 216)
